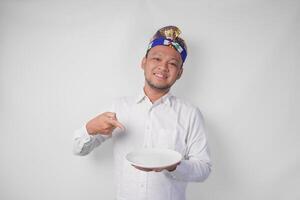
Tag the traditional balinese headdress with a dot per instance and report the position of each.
(169, 36)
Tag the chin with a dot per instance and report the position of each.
(160, 87)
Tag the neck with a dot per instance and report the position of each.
(154, 94)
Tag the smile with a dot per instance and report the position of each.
(160, 76)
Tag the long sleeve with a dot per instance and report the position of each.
(83, 143)
(196, 165)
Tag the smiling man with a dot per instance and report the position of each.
(153, 119)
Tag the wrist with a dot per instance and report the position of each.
(89, 129)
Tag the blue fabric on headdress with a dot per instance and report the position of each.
(167, 42)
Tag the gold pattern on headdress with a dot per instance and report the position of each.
(170, 32)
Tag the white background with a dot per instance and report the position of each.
(63, 62)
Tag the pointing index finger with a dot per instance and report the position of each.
(116, 123)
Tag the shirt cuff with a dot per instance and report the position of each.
(88, 137)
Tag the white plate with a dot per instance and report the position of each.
(153, 158)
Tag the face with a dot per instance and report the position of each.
(162, 67)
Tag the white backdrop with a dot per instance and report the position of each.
(63, 62)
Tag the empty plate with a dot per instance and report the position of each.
(154, 158)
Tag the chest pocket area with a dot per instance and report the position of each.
(168, 131)
(165, 139)
(171, 139)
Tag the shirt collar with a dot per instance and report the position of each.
(140, 97)
(164, 99)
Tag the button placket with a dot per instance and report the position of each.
(150, 143)
(143, 185)
(148, 140)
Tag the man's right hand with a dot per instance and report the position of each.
(104, 124)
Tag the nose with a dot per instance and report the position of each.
(163, 66)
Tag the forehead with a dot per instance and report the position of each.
(165, 51)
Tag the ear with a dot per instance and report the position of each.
(180, 73)
(143, 64)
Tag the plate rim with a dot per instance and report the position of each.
(154, 167)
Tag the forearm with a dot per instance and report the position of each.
(83, 143)
(191, 171)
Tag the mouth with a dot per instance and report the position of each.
(160, 76)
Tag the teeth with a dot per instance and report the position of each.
(160, 75)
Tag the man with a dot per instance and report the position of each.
(155, 118)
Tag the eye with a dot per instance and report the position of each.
(156, 58)
(174, 64)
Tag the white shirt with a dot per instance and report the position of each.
(167, 123)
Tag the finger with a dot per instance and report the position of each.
(116, 123)
(158, 170)
(172, 167)
(142, 169)
(111, 115)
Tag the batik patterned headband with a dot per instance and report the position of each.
(168, 38)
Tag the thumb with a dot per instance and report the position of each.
(111, 115)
